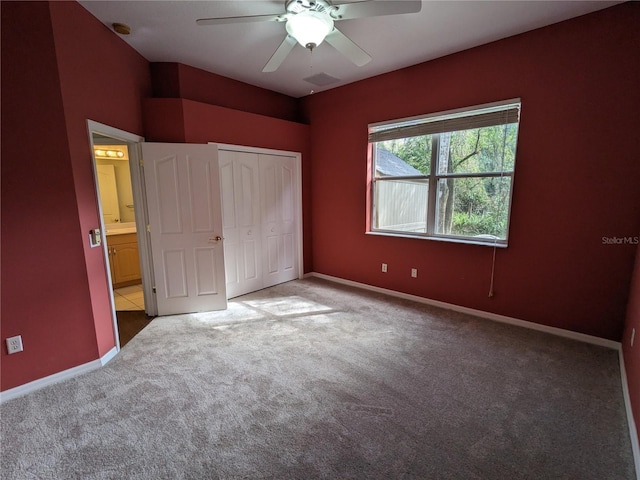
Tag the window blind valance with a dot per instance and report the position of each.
(446, 122)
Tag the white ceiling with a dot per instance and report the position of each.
(166, 31)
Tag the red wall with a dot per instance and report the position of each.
(632, 354)
(45, 295)
(176, 80)
(202, 123)
(60, 67)
(110, 94)
(576, 178)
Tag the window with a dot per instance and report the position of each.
(447, 176)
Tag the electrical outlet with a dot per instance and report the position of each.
(414, 272)
(384, 267)
(14, 344)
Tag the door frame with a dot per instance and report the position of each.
(140, 209)
(298, 187)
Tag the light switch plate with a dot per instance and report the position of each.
(95, 238)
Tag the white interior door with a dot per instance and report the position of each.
(239, 179)
(108, 193)
(279, 243)
(185, 218)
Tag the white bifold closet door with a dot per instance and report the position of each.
(240, 192)
(259, 220)
(279, 255)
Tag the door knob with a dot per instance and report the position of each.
(217, 238)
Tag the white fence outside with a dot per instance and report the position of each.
(401, 205)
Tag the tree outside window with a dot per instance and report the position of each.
(434, 181)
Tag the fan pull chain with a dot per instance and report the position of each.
(311, 69)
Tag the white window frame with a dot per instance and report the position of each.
(440, 122)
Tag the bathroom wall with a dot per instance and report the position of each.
(123, 185)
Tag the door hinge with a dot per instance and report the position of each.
(148, 228)
(153, 289)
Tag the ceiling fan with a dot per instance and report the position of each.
(310, 22)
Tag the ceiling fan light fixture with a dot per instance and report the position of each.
(309, 28)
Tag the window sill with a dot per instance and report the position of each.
(469, 241)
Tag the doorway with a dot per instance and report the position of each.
(118, 216)
(122, 218)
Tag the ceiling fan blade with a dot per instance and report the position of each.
(375, 8)
(344, 45)
(280, 54)
(246, 19)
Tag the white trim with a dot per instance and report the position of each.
(603, 342)
(57, 377)
(438, 238)
(633, 431)
(131, 139)
(259, 150)
(112, 132)
(107, 357)
(142, 220)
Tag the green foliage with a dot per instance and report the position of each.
(472, 224)
(481, 206)
(471, 195)
(482, 150)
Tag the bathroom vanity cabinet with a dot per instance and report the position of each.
(124, 259)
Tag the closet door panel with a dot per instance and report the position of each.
(241, 211)
(277, 182)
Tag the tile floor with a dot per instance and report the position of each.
(129, 298)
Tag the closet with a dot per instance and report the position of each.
(260, 220)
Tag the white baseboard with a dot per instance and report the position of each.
(603, 342)
(107, 357)
(57, 377)
(633, 431)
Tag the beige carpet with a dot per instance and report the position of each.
(315, 380)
